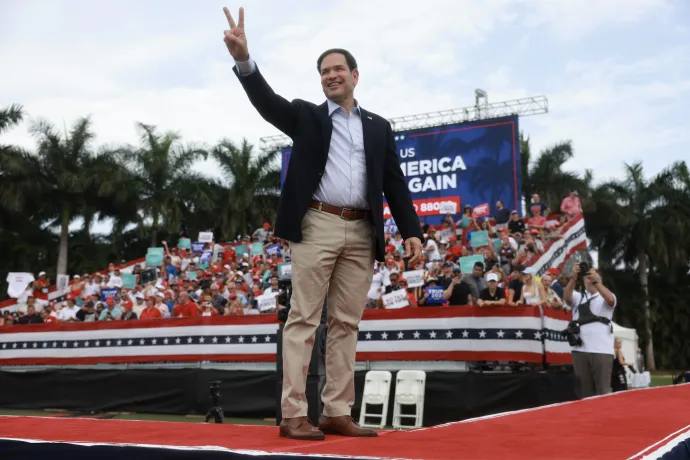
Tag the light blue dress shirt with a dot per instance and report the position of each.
(344, 181)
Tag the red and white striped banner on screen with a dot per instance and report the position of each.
(426, 334)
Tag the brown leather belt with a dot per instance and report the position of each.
(343, 213)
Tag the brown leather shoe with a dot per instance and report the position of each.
(344, 426)
(300, 428)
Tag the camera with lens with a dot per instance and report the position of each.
(580, 281)
(215, 412)
(572, 332)
(584, 268)
(214, 389)
(285, 286)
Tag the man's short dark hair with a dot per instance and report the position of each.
(479, 265)
(349, 58)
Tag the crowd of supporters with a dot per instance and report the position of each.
(501, 275)
(215, 279)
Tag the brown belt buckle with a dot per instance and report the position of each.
(342, 213)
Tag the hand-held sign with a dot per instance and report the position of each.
(235, 39)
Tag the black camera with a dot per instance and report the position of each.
(572, 332)
(215, 412)
(580, 281)
(214, 389)
(584, 268)
(285, 286)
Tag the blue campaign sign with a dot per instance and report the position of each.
(435, 295)
(447, 167)
(109, 292)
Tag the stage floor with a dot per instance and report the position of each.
(631, 425)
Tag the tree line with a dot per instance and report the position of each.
(639, 225)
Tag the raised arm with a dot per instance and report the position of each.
(275, 109)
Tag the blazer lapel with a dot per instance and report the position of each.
(368, 133)
(326, 128)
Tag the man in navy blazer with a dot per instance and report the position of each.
(343, 161)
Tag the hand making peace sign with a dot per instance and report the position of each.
(235, 39)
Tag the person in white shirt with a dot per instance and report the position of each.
(593, 352)
(91, 287)
(116, 279)
(69, 311)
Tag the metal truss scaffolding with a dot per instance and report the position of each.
(482, 110)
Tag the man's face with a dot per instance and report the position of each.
(337, 80)
(477, 272)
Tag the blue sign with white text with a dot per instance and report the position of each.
(448, 167)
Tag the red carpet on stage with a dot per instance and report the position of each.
(619, 426)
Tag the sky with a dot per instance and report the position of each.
(616, 72)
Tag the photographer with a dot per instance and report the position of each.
(591, 333)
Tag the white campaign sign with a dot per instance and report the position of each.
(396, 299)
(17, 283)
(205, 237)
(62, 283)
(285, 271)
(414, 278)
(448, 207)
(266, 302)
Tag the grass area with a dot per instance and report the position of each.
(661, 378)
(133, 416)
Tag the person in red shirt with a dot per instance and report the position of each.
(207, 308)
(185, 307)
(47, 317)
(150, 312)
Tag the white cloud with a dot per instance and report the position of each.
(164, 63)
(571, 19)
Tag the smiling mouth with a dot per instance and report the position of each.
(333, 85)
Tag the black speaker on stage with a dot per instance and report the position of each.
(316, 376)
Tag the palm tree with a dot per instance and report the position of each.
(643, 223)
(253, 190)
(67, 176)
(10, 116)
(546, 177)
(163, 179)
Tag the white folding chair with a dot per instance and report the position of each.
(409, 390)
(377, 389)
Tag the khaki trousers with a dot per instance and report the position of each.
(335, 258)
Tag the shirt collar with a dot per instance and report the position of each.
(333, 106)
